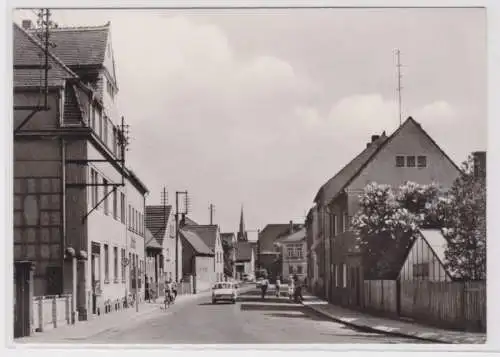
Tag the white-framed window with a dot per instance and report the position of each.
(400, 161)
(422, 161)
(106, 200)
(410, 161)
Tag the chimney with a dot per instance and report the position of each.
(26, 24)
(291, 227)
(375, 137)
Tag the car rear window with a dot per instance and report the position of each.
(223, 286)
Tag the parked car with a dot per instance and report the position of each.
(224, 291)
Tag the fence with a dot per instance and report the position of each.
(455, 305)
(380, 295)
(460, 305)
(50, 312)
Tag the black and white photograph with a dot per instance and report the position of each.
(248, 176)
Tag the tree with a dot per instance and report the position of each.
(228, 249)
(388, 221)
(464, 212)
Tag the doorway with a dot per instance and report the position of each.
(22, 298)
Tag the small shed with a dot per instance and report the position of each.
(425, 258)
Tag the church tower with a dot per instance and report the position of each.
(242, 234)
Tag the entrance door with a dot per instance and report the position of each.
(22, 299)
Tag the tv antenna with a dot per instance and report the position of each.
(399, 88)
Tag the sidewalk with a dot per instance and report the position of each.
(389, 326)
(85, 329)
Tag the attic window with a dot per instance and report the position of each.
(410, 161)
(400, 161)
(422, 161)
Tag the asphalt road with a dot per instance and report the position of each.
(249, 321)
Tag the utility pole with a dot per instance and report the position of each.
(212, 209)
(400, 76)
(178, 212)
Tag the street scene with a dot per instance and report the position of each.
(279, 176)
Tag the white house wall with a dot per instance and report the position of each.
(420, 253)
(409, 141)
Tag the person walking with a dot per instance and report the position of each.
(278, 286)
(263, 287)
(168, 293)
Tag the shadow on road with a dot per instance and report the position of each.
(218, 303)
(271, 307)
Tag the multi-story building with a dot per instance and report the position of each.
(268, 253)
(160, 220)
(409, 154)
(79, 211)
(293, 253)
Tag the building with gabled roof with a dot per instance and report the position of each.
(408, 154)
(245, 259)
(203, 257)
(268, 254)
(160, 221)
(68, 169)
(210, 235)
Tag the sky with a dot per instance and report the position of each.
(260, 107)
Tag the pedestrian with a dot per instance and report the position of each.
(278, 286)
(263, 287)
(147, 290)
(174, 291)
(168, 293)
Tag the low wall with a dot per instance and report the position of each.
(50, 312)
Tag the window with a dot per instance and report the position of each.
(422, 161)
(106, 206)
(298, 252)
(99, 114)
(115, 257)
(421, 270)
(93, 181)
(105, 133)
(106, 264)
(346, 222)
(344, 275)
(115, 141)
(115, 204)
(290, 269)
(299, 269)
(129, 222)
(92, 117)
(98, 190)
(400, 161)
(289, 252)
(122, 207)
(410, 161)
(122, 264)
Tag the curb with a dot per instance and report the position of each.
(365, 328)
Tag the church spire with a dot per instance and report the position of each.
(242, 234)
